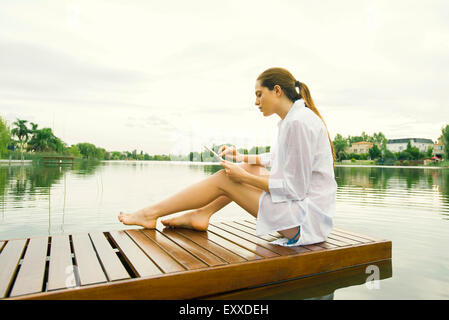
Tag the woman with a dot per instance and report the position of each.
(296, 198)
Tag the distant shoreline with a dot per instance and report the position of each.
(217, 163)
(17, 162)
(377, 166)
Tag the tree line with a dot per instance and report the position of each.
(27, 138)
(379, 149)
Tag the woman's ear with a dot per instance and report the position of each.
(277, 90)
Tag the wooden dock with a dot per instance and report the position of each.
(170, 263)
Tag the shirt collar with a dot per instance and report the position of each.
(296, 105)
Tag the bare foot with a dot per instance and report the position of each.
(196, 220)
(137, 218)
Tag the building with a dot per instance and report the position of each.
(398, 145)
(438, 148)
(360, 147)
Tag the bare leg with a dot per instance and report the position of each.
(199, 219)
(196, 196)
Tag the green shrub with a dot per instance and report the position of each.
(397, 163)
(405, 163)
(352, 160)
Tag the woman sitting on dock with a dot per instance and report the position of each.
(296, 198)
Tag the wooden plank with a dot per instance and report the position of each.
(352, 237)
(337, 243)
(343, 239)
(60, 270)
(9, 261)
(202, 254)
(249, 230)
(30, 278)
(252, 224)
(244, 243)
(329, 244)
(275, 235)
(89, 267)
(263, 243)
(197, 283)
(313, 247)
(221, 252)
(156, 253)
(137, 259)
(325, 245)
(179, 254)
(111, 263)
(270, 238)
(231, 246)
(357, 234)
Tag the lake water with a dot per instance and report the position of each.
(409, 206)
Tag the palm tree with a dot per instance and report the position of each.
(21, 131)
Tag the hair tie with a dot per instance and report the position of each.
(298, 84)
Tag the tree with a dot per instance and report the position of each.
(340, 144)
(403, 155)
(5, 137)
(363, 156)
(87, 150)
(116, 155)
(388, 157)
(74, 151)
(366, 137)
(445, 140)
(33, 129)
(413, 151)
(99, 153)
(374, 152)
(429, 152)
(22, 132)
(380, 139)
(354, 139)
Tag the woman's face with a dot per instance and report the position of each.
(266, 99)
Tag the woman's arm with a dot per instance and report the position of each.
(231, 152)
(240, 175)
(256, 181)
(251, 159)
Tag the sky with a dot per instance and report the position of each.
(168, 76)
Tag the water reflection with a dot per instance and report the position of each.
(410, 179)
(26, 180)
(375, 177)
(318, 287)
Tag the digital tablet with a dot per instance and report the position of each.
(216, 156)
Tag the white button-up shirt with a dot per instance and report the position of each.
(302, 183)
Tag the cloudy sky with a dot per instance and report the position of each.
(167, 76)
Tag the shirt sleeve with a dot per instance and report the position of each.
(266, 159)
(292, 180)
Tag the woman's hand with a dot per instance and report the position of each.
(234, 171)
(230, 153)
